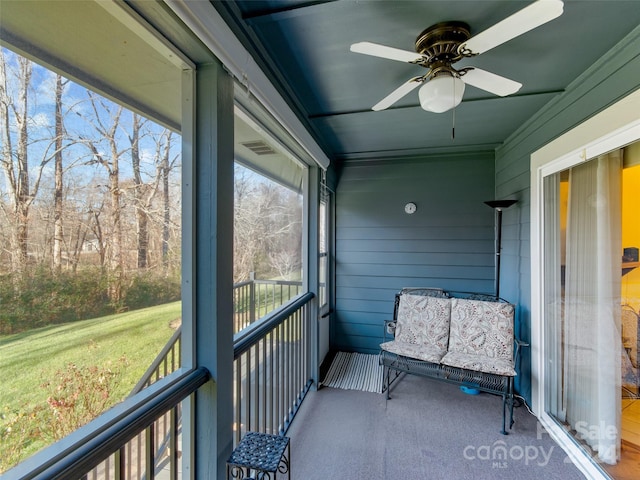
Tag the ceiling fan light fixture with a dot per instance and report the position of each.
(441, 93)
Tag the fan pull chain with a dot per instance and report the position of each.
(453, 126)
(453, 121)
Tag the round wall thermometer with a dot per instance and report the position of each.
(410, 208)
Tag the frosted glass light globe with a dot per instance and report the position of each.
(441, 93)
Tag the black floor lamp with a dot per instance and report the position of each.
(499, 205)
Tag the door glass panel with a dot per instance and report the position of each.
(591, 300)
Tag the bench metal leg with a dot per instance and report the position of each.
(504, 414)
(507, 399)
(387, 382)
(511, 402)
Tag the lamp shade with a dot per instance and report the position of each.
(500, 204)
(441, 93)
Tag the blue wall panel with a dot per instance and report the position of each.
(447, 243)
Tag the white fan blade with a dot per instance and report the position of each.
(397, 94)
(530, 17)
(383, 51)
(491, 82)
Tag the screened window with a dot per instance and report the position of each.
(90, 215)
(268, 223)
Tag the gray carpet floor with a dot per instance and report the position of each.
(428, 430)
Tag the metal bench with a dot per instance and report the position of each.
(461, 338)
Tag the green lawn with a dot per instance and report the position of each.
(29, 359)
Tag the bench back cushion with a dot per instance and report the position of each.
(423, 320)
(482, 328)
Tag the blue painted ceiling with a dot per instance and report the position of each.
(304, 47)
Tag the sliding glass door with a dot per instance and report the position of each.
(582, 302)
(589, 300)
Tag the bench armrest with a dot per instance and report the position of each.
(389, 330)
(519, 344)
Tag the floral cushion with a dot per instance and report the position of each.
(479, 363)
(427, 353)
(423, 320)
(482, 328)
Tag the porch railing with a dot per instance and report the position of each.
(153, 416)
(272, 371)
(272, 374)
(167, 361)
(253, 299)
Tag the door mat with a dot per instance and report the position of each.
(355, 371)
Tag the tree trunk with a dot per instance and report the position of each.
(7, 154)
(117, 270)
(111, 165)
(142, 234)
(76, 250)
(166, 207)
(21, 190)
(143, 238)
(97, 231)
(57, 194)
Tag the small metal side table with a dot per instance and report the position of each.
(261, 454)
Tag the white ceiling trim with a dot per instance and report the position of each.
(103, 45)
(130, 19)
(203, 19)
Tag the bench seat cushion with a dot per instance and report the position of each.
(479, 363)
(422, 328)
(424, 320)
(426, 353)
(481, 336)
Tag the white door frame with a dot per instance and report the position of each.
(612, 128)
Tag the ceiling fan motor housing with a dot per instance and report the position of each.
(440, 43)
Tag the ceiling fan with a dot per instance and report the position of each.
(443, 44)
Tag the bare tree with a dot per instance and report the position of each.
(145, 192)
(147, 184)
(58, 238)
(267, 227)
(22, 184)
(84, 237)
(98, 234)
(285, 254)
(15, 163)
(166, 167)
(107, 129)
(244, 238)
(43, 218)
(142, 194)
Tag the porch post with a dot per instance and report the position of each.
(312, 258)
(213, 269)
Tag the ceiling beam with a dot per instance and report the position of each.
(417, 154)
(417, 105)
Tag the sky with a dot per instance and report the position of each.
(79, 118)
